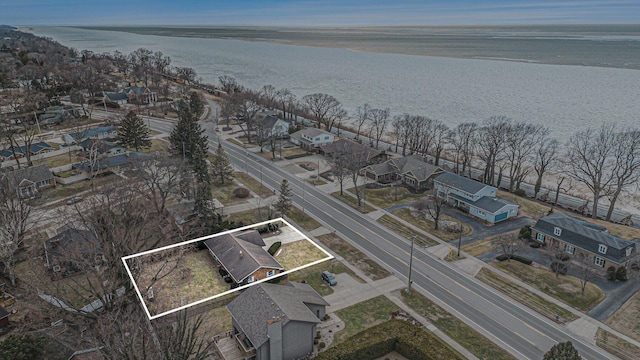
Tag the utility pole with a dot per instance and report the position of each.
(460, 240)
(410, 265)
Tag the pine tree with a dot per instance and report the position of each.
(195, 104)
(221, 166)
(284, 200)
(187, 136)
(133, 133)
(562, 351)
(200, 166)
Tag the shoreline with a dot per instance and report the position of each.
(456, 42)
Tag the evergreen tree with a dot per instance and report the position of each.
(200, 166)
(204, 202)
(562, 351)
(187, 136)
(133, 133)
(195, 104)
(284, 200)
(23, 347)
(221, 166)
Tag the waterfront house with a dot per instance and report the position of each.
(311, 138)
(366, 154)
(573, 235)
(273, 322)
(272, 126)
(411, 170)
(474, 197)
(140, 95)
(243, 257)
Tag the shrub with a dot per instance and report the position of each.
(522, 259)
(321, 345)
(559, 267)
(326, 317)
(315, 341)
(621, 274)
(526, 235)
(562, 256)
(535, 244)
(262, 229)
(611, 273)
(274, 247)
(525, 229)
(519, 192)
(502, 257)
(241, 192)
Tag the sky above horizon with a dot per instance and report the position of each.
(318, 12)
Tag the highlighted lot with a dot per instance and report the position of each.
(182, 275)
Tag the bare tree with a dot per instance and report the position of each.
(160, 62)
(627, 168)
(586, 270)
(248, 109)
(15, 223)
(361, 117)
(559, 181)
(160, 178)
(187, 74)
(324, 109)
(229, 84)
(520, 141)
(378, 121)
(588, 159)
(269, 95)
(546, 156)
(440, 139)
(491, 145)
(509, 244)
(354, 162)
(462, 138)
(142, 60)
(402, 129)
(340, 169)
(431, 207)
(287, 100)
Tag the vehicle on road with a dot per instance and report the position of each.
(329, 278)
(74, 200)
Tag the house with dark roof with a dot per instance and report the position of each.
(573, 235)
(108, 163)
(103, 147)
(243, 257)
(311, 138)
(140, 95)
(21, 151)
(272, 126)
(474, 197)
(98, 133)
(273, 322)
(119, 98)
(343, 146)
(412, 170)
(71, 251)
(28, 181)
(8, 154)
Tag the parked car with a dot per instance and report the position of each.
(329, 278)
(74, 200)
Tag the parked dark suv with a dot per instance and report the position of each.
(329, 278)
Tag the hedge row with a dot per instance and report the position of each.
(519, 258)
(274, 247)
(394, 335)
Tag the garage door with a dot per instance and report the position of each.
(501, 216)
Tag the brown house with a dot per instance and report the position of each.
(27, 182)
(367, 154)
(243, 257)
(411, 170)
(573, 236)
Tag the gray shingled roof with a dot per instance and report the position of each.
(34, 174)
(585, 235)
(263, 302)
(313, 132)
(416, 165)
(460, 182)
(346, 146)
(228, 248)
(71, 242)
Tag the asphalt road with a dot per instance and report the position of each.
(511, 325)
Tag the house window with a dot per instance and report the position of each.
(480, 212)
(629, 251)
(599, 261)
(602, 249)
(271, 273)
(540, 237)
(326, 138)
(569, 248)
(557, 231)
(251, 279)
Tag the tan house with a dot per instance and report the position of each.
(573, 236)
(243, 257)
(340, 147)
(411, 170)
(27, 182)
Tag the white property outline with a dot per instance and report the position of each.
(144, 305)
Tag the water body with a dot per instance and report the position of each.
(454, 89)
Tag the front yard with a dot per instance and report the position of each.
(298, 253)
(364, 315)
(354, 256)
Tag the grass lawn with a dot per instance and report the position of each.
(216, 321)
(316, 182)
(464, 335)
(298, 253)
(253, 184)
(225, 193)
(387, 196)
(63, 191)
(479, 247)
(189, 277)
(249, 217)
(428, 226)
(564, 288)
(302, 219)
(405, 231)
(312, 275)
(530, 207)
(524, 296)
(157, 145)
(354, 256)
(364, 315)
(353, 202)
(627, 318)
(63, 159)
(616, 345)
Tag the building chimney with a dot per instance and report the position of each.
(241, 254)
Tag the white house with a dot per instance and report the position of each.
(311, 138)
(474, 197)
